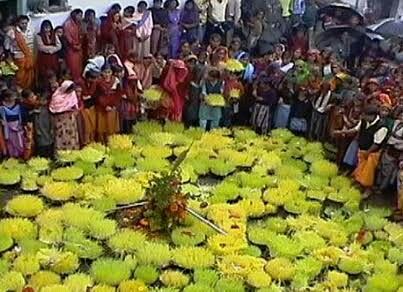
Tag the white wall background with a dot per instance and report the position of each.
(100, 6)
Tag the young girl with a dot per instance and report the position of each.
(64, 106)
(128, 106)
(266, 98)
(300, 113)
(88, 107)
(211, 85)
(13, 118)
(107, 97)
(233, 91)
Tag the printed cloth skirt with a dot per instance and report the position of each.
(66, 131)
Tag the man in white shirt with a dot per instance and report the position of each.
(216, 17)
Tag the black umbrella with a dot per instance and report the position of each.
(389, 27)
(343, 12)
(333, 36)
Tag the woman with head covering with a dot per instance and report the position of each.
(127, 38)
(111, 28)
(64, 106)
(74, 43)
(171, 81)
(144, 26)
(107, 96)
(91, 31)
(48, 45)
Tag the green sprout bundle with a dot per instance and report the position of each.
(288, 220)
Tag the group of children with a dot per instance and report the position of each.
(309, 92)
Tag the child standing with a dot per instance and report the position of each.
(107, 97)
(266, 98)
(13, 118)
(211, 85)
(233, 91)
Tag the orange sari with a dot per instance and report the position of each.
(365, 172)
(26, 73)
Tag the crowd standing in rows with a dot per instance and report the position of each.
(65, 87)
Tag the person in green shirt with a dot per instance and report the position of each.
(8, 68)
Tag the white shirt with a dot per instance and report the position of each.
(234, 10)
(217, 10)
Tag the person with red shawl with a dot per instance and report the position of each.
(91, 31)
(21, 43)
(128, 33)
(175, 74)
(48, 45)
(74, 50)
(107, 97)
(299, 40)
(88, 113)
(111, 28)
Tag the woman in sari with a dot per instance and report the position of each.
(107, 97)
(48, 45)
(111, 29)
(128, 35)
(174, 31)
(13, 118)
(74, 49)
(190, 21)
(91, 31)
(144, 28)
(172, 81)
(64, 106)
(21, 46)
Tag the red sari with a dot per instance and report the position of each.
(111, 32)
(47, 57)
(127, 37)
(172, 81)
(90, 42)
(107, 97)
(74, 51)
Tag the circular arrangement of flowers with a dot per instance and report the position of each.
(291, 222)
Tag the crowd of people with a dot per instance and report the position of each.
(67, 86)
